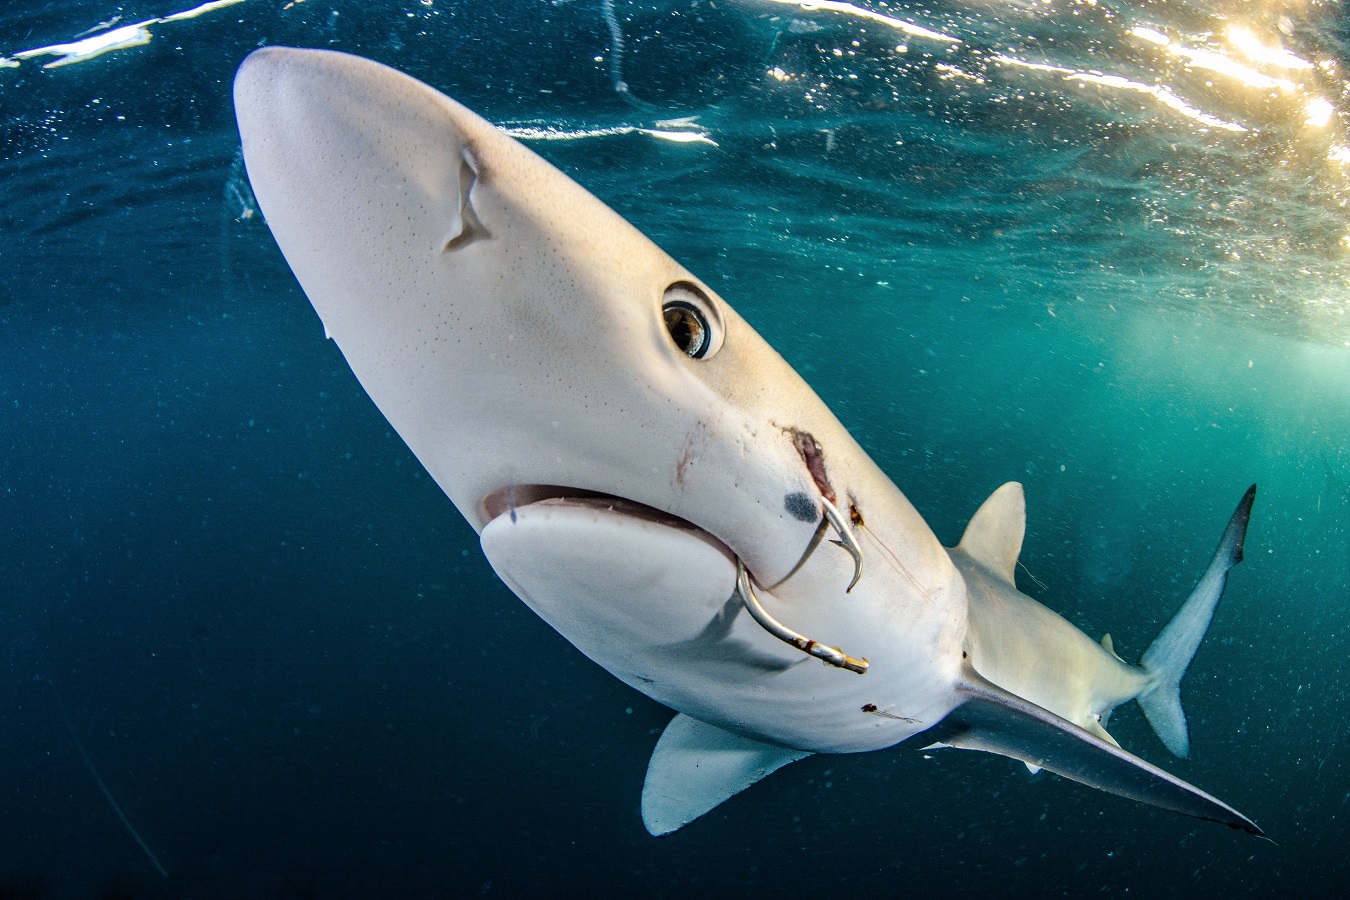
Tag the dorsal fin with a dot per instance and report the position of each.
(994, 536)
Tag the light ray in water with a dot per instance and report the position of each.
(134, 35)
(850, 9)
(1163, 95)
(678, 135)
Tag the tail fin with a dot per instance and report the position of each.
(1168, 656)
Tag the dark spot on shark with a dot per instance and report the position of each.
(800, 506)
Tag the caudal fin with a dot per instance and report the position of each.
(1168, 656)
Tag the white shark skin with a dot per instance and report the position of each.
(509, 326)
(535, 353)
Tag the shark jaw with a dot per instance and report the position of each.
(654, 600)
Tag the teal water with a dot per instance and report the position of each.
(1046, 248)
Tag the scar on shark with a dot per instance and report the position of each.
(550, 367)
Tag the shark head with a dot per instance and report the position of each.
(521, 337)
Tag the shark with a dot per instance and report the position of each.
(651, 478)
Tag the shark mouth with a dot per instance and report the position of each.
(508, 500)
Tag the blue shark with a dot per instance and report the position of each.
(656, 482)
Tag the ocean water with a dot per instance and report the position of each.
(1102, 248)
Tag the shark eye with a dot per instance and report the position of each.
(687, 327)
(691, 321)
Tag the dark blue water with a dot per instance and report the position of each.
(1052, 250)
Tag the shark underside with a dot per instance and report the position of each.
(657, 483)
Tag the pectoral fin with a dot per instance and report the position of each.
(996, 721)
(696, 766)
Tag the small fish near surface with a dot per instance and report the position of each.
(657, 483)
